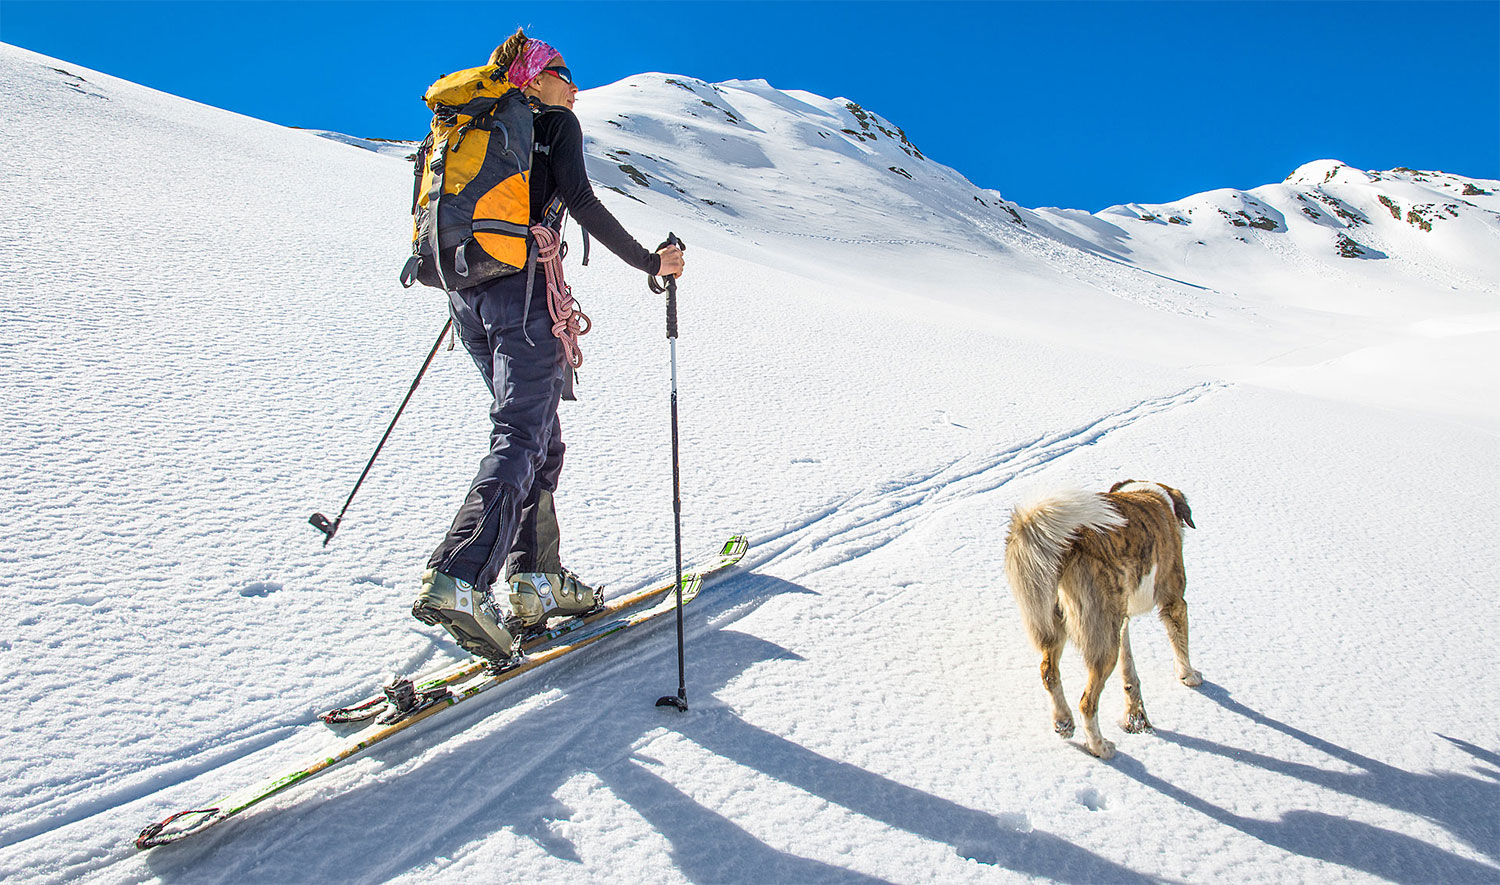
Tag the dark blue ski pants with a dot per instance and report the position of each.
(526, 381)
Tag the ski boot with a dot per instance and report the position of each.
(537, 596)
(468, 614)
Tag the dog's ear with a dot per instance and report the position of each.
(1180, 506)
(1119, 485)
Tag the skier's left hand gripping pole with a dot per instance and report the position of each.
(321, 522)
(680, 700)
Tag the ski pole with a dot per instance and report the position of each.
(318, 520)
(680, 701)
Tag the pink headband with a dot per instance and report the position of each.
(530, 62)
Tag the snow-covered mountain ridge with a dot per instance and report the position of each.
(821, 132)
(743, 152)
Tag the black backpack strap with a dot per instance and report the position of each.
(419, 165)
(553, 217)
(531, 254)
(439, 165)
(556, 217)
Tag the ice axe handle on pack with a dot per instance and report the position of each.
(670, 289)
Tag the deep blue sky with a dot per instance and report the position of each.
(1075, 104)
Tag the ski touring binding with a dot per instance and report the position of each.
(403, 699)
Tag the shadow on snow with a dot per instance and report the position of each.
(1463, 805)
(392, 824)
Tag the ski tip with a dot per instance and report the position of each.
(735, 547)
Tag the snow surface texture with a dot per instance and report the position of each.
(202, 339)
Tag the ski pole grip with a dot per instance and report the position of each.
(671, 286)
(671, 308)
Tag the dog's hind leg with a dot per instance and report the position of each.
(1062, 715)
(1174, 616)
(1100, 651)
(1088, 705)
(1135, 720)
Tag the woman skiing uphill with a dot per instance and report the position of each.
(507, 522)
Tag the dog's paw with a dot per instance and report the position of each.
(1136, 723)
(1103, 749)
(1192, 678)
(1063, 727)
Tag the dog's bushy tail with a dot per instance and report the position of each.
(1041, 532)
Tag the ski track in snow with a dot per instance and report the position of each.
(187, 762)
(872, 518)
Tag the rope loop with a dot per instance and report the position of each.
(568, 321)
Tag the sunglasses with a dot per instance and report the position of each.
(560, 73)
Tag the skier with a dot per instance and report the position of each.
(507, 523)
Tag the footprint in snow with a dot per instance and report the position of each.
(1091, 799)
(260, 588)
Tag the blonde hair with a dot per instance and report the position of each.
(506, 52)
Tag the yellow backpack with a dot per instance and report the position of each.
(471, 200)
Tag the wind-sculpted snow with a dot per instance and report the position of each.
(202, 338)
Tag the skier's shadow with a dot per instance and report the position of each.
(453, 801)
(1464, 805)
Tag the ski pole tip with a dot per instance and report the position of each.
(321, 523)
(680, 704)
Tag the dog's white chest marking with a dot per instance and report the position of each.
(1144, 597)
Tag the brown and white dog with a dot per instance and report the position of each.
(1081, 565)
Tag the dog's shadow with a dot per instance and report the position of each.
(1463, 804)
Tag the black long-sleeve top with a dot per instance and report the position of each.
(557, 169)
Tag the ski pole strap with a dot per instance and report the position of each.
(651, 281)
(568, 321)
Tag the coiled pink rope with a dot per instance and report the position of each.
(568, 322)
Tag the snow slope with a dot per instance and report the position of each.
(202, 338)
(1249, 285)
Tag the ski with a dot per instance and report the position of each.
(377, 703)
(413, 702)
